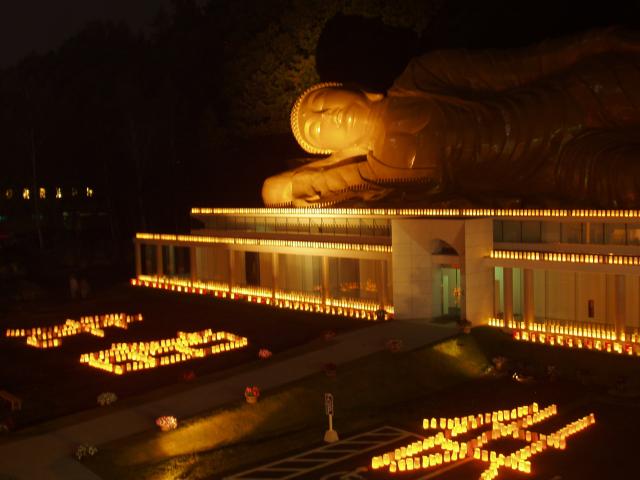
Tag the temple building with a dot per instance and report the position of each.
(555, 271)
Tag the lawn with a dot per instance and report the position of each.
(447, 379)
(52, 383)
(384, 387)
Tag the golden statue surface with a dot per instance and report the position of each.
(558, 118)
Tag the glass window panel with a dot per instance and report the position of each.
(571, 232)
(550, 232)
(531, 232)
(511, 231)
(633, 234)
(367, 227)
(614, 233)
(596, 233)
(497, 230)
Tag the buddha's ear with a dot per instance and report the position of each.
(374, 97)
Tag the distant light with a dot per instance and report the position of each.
(26, 194)
(89, 192)
(42, 193)
(74, 192)
(8, 194)
(58, 192)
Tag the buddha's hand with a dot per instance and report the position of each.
(315, 186)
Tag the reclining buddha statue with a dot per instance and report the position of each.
(559, 119)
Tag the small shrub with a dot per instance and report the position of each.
(107, 398)
(85, 450)
(167, 423)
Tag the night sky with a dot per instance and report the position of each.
(41, 25)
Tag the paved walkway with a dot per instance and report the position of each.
(48, 456)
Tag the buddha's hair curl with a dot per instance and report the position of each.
(295, 123)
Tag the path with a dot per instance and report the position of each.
(48, 456)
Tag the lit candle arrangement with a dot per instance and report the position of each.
(582, 335)
(130, 357)
(427, 212)
(441, 448)
(289, 300)
(210, 240)
(588, 258)
(51, 337)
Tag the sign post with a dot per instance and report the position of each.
(330, 436)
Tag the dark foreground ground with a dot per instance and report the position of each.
(52, 382)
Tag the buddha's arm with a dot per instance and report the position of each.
(457, 71)
(321, 181)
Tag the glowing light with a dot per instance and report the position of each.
(441, 447)
(26, 194)
(58, 192)
(289, 300)
(51, 337)
(42, 193)
(8, 194)
(582, 335)
(89, 192)
(587, 258)
(129, 357)
(202, 239)
(422, 212)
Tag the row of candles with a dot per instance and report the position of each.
(206, 239)
(414, 456)
(580, 335)
(289, 300)
(129, 357)
(430, 212)
(50, 337)
(566, 257)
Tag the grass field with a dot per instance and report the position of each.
(53, 383)
(384, 388)
(380, 388)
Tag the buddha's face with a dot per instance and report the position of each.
(335, 118)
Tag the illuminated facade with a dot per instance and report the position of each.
(516, 269)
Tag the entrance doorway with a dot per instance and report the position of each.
(450, 292)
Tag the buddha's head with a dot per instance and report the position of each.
(329, 117)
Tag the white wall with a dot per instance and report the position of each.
(414, 279)
(477, 277)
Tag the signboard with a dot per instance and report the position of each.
(328, 404)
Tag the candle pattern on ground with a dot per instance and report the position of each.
(362, 309)
(129, 357)
(443, 448)
(50, 337)
(582, 335)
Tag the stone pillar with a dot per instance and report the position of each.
(137, 248)
(382, 283)
(193, 263)
(325, 280)
(507, 277)
(171, 261)
(620, 300)
(159, 261)
(528, 301)
(275, 272)
(232, 267)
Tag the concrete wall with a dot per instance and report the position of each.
(415, 280)
(477, 278)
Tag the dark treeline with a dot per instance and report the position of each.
(195, 111)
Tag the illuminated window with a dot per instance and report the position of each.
(58, 192)
(42, 193)
(26, 194)
(8, 194)
(89, 192)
